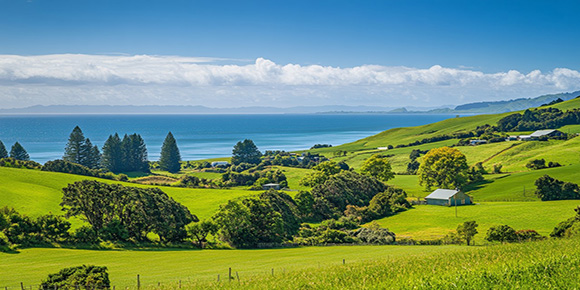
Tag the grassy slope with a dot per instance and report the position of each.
(32, 265)
(429, 221)
(36, 192)
(550, 264)
(407, 135)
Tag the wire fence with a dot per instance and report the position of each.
(142, 282)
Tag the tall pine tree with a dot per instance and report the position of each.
(80, 150)
(3, 152)
(112, 156)
(134, 153)
(92, 156)
(170, 157)
(18, 152)
(75, 149)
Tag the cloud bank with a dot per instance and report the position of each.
(173, 80)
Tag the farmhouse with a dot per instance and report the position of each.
(448, 197)
(546, 133)
(219, 163)
(268, 186)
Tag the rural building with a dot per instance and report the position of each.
(219, 163)
(448, 197)
(525, 138)
(269, 186)
(548, 133)
(477, 142)
(511, 138)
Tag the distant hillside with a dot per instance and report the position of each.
(511, 105)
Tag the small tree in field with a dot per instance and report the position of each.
(201, 230)
(84, 277)
(19, 153)
(170, 156)
(443, 167)
(377, 166)
(467, 231)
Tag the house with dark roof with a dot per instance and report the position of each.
(448, 197)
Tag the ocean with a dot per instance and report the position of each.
(201, 136)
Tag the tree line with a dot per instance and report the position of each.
(16, 151)
(120, 155)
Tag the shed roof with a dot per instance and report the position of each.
(271, 184)
(442, 194)
(541, 133)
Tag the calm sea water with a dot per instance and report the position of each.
(200, 136)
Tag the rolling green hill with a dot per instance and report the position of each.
(35, 193)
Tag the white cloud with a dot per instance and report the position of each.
(146, 80)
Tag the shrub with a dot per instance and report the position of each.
(15, 163)
(502, 233)
(549, 188)
(87, 277)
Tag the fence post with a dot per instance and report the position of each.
(21, 286)
(179, 284)
(230, 275)
(272, 271)
(138, 282)
(343, 262)
(238, 276)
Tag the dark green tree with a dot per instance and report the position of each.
(170, 157)
(117, 211)
(134, 153)
(467, 231)
(76, 150)
(112, 156)
(18, 152)
(200, 230)
(91, 154)
(501, 233)
(247, 223)
(246, 152)
(3, 152)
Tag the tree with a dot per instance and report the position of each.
(201, 230)
(321, 173)
(3, 152)
(549, 188)
(502, 233)
(247, 223)
(18, 152)
(246, 152)
(92, 155)
(113, 208)
(170, 156)
(467, 231)
(134, 153)
(112, 154)
(340, 190)
(75, 150)
(444, 167)
(377, 166)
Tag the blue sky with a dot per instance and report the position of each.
(465, 38)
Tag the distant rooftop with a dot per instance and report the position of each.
(442, 194)
(541, 133)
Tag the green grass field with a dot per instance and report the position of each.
(550, 264)
(426, 222)
(32, 265)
